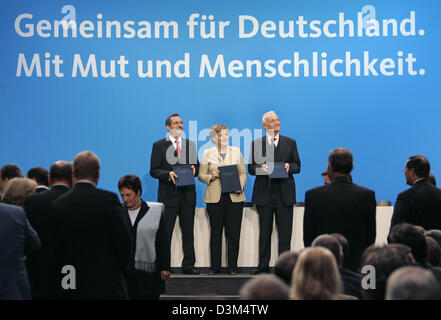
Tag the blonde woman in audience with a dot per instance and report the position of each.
(316, 276)
(17, 189)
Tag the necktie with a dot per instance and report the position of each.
(275, 142)
(178, 149)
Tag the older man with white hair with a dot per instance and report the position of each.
(273, 194)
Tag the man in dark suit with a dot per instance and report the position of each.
(178, 201)
(273, 196)
(40, 176)
(91, 237)
(421, 204)
(38, 207)
(341, 207)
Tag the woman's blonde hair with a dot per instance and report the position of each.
(17, 189)
(215, 130)
(316, 276)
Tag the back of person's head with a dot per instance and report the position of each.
(410, 283)
(420, 165)
(39, 175)
(285, 265)
(433, 252)
(17, 189)
(264, 287)
(407, 234)
(432, 179)
(435, 234)
(341, 160)
(86, 165)
(344, 245)
(8, 172)
(405, 252)
(130, 181)
(316, 276)
(329, 242)
(372, 248)
(61, 171)
(384, 260)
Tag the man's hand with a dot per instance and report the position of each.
(264, 167)
(165, 274)
(287, 167)
(173, 176)
(194, 169)
(215, 174)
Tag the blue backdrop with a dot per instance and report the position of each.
(382, 119)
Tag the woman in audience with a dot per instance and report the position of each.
(316, 276)
(17, 189)
(224, 209)
(150, 265)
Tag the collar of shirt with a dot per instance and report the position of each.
(270, 139)
(41, 187)
(417, 181)
(172, 139)
(86, 181)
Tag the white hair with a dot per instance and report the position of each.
(266, 115)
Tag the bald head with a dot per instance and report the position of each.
(61, 173)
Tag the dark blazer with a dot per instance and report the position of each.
(142, 283)
(40, 266)
(160, 169)
(286, 152)
(341, 207)
(17, 240)
(91, 235)
(419, 205)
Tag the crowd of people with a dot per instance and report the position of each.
(63, 238)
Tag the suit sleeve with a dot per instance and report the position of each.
(252, 165)
(194, 161)
(204, 176)
(32, 241)
(156, 170)
(308, 221)
(242, 171)
(294, 165)
(163, 246)
(120, 232)
(400, 210)
(371, 227)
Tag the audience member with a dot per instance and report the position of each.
(17, 189)
(264, 287)
(341, 207)
(410, 283)
(8, 172)
(433, 252)
(91, 235)
(421, 204)
(385, 260)
(150, 255)
(316, 276)
(18, 240)
(435, 234)
(285, 265)
(345, 247)
(407, 234)
(38, 208)
(40, 176)
(351, 280)
(405, 253)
